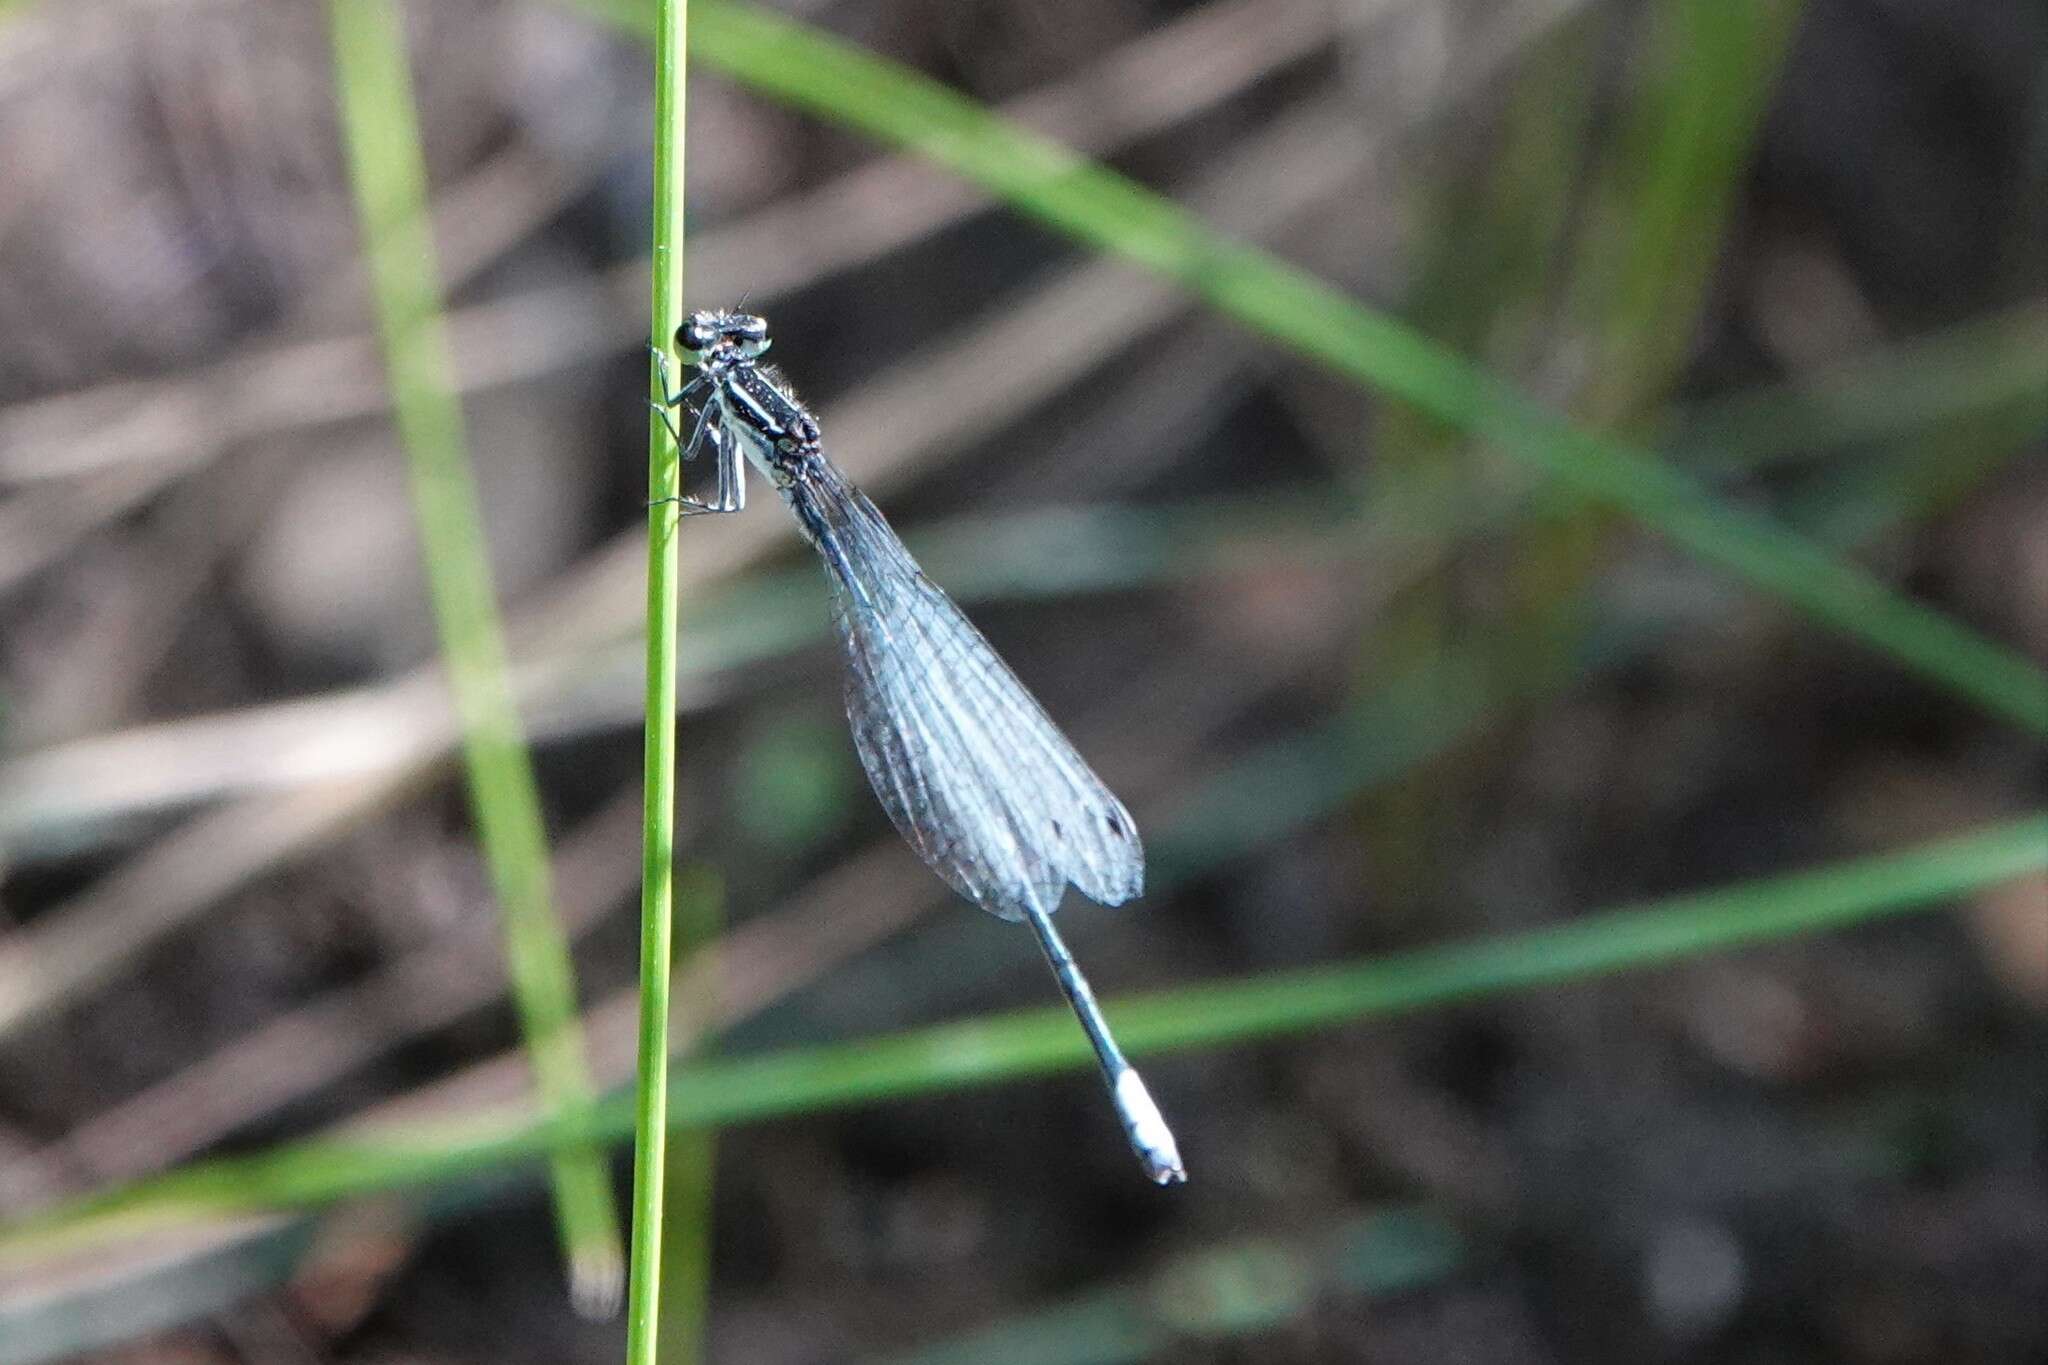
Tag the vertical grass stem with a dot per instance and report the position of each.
(664, 483)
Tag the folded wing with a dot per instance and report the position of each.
(972, 771)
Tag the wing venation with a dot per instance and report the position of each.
(971, 770)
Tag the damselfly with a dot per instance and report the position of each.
(972, 772)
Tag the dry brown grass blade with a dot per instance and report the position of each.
(330, 1036)
(841, 914)
(78, 943)
(1161, 78)
(1036, 348)
(933, 401)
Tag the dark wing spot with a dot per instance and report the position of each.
(1057, 832)
(1116, 826)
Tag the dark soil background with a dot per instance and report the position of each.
(241, 902)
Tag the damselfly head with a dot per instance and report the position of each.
(707, 331)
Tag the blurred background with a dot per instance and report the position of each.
(1368, 683)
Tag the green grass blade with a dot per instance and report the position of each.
(664, 484)
(388, 174)
(1665, 195)
(1952, 375)
(812, 70)
(1408, 722)
(1590, 232)
(1990, 364)
(1239, 1289)
(1860, 498)
(1042, 1041)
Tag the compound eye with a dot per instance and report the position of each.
(693, 336)
(750, 327)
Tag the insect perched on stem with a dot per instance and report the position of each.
(973, 773)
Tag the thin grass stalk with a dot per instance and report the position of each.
(664, 485)
(692, 1152)
(387, 171)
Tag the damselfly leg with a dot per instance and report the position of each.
(725, 451)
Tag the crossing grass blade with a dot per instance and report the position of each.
(1038, 1042)
(807, 68)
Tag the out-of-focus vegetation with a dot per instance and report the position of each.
(1531, 492)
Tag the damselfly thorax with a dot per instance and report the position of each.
(746, 413)
(971, 770)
